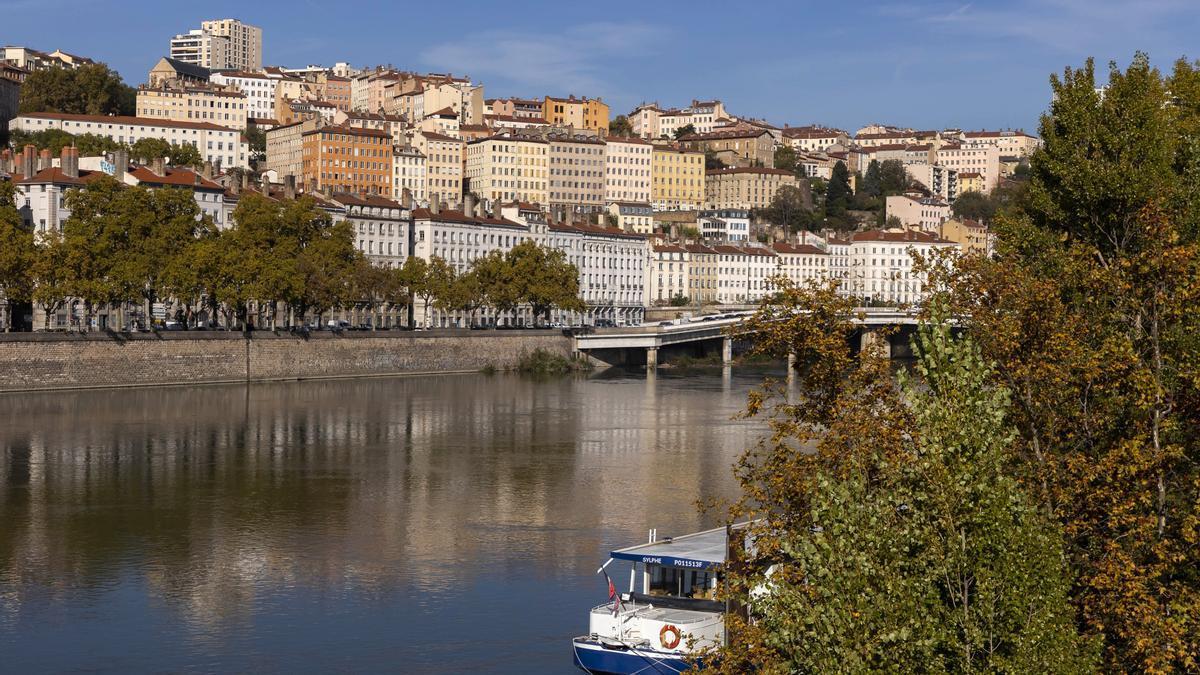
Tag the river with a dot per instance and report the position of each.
(436, 524)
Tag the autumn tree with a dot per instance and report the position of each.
(544, 279)
(1088, 312)
(620, 126)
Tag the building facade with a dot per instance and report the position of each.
(677, 179)
(744, 188)
(509, 168)
(224, 107)
(580, 113)
(217, 144)
(576, 180)
(348, 159)
(627, 169)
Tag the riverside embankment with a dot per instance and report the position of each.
(42, 361)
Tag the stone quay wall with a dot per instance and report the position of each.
(39, 361)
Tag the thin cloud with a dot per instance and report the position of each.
(579, 59)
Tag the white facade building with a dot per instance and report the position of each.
(258, 89)
(627, 167)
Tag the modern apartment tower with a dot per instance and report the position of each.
(220, 44)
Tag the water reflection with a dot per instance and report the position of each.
(431, 524)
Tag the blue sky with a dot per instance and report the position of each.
(918, 63)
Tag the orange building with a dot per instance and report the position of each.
(348, 159)
(581, 113)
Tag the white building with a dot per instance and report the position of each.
(258, 88)
(925, 213)
(744, 273)
(727, 225)
(667, 276)
(980, 159)
(802, 263)
(380, 227)
(881, 265)
(408, 172)
(217, 144)
(627, 169)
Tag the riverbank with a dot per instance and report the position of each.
(50, 361)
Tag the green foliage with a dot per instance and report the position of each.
(543, 279)
(54, 140)
(684, 131)
(149, 149)
(838, 192)
(620, 126)
(87, 90)
(893, 537)
(791, 208)
(184, 154)
(974, 206)
(257, 140)
(680, 300)
(544, 362)
(785, 158)
(16, 252)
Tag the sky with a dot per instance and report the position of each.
(920, 63)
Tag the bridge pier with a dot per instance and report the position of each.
(726, 351)
(872, 337)
(651, 358)
(791, 366)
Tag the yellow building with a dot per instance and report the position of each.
(443, 165)
(223, 107)
(677, 179)
(971, 235)
(581, 113)
(507, 168)
(744, 187)
(970, 182)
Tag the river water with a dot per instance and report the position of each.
(441, 524)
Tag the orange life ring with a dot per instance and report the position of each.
(672, 642)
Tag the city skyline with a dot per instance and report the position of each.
(927, 65)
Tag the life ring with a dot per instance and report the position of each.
(671, 642)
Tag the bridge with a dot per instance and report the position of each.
(701, 335)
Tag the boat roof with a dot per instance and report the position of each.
(699, 550)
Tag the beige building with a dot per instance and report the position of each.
(216, 144)
(443, 165)
(258, 88)
(924, 213)
(627, 170)
(220, 44)
(1009, 143)
(576, 171)
(745, 146)
(509, 168)
(971, 181)
(814, 139)
(982, 159)
(418, 96)
(745, 187)
(632, 216)
(971, 236)
(650, 121)
(676, 179)
(226, 107)
(667, 273)
(581, 113)
(285, 148)
(802, 262)
(703, 263)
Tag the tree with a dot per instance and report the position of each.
(53, 140)
(838, 192)
(785, 158)
(974, 206)
(872, 181)
(16, 253)
(87, 90)
(416, 279)
(50, 274)
(544, 279)
(1087, 310)
(892, 538)
(495, 278)
(149, 149)
(620, 126)
(184, 154)
(893, 178)
(791, 207)
(257, 140)
(712, 162)
(684, 130)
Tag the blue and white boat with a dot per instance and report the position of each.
(670, 613)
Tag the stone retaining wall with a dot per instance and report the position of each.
(59, 361)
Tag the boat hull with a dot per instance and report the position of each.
(593, 657)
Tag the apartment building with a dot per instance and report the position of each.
(257, 87)
(347, 159)
(509, 167)
(924, 213)
(520, 108)
(443, 165)
(814, 139)
(1009, 143)
(380, 226)
(409, 173)
(580, 113)
(649, 121)
(627, 169)
(801, 263)
(217, 144)
(728, 225)
(631, 216)
(393, 125)
(970, 181)
(941, 181)
(32, 60)
(220, 44)
(677, 178)
(970, 235)
(981, 159)
(576, 169)
(667, 276)
(745, 187)
(881, 265)
(744, 146)
(744, 273)
(224, 107)
(703, 262)
(285, 148)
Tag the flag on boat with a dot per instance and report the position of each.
(612, 594)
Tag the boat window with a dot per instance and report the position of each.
(682, 583)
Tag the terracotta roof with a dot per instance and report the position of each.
(732, 133)
(56, 176)
(175, 176)
(443, 112)
(122, 119)
(699, 248)
(781, 247)
(633, 140)
(353, 131)
(348, 199)
(669, 248)
(996, 134)
(970, 174)
(447, 216)
(511, 118)
(900, 237)
(434, 136)
(594, 229)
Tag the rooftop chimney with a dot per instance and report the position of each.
(207, 171)
(5, 161)
(68, 162)
(27, 161)
(158, 166)
(469, 205)
(406, 198)
(435, 203)
(245, 180)
(44, 160)
(289, 186)
(121, 161)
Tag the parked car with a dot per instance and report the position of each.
(335, 324)
(174, 325)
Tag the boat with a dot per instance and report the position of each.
(675, 616)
